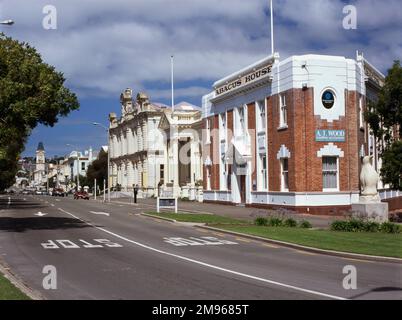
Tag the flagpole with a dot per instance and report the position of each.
(171, 60)
(272, 29)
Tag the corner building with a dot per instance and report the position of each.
(290, 133)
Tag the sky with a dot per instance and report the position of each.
(104, 46)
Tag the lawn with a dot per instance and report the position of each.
(199, 218)
(379, 244)
(9, 292)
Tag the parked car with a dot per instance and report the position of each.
(58, 192)
(81, 195)
(38, 192)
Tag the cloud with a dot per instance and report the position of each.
(105, 46)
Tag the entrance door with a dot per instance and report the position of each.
(242, 189)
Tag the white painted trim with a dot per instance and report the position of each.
(330, 150)
(283, 152)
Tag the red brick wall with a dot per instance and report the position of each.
(305, 168)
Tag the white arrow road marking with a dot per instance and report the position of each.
(207, 265)
(101, 213)
(40, 214)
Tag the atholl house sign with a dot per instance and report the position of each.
(244, 80)
(330, 135)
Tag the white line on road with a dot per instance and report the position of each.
(40, 214)
(100, 213)
(210, 265)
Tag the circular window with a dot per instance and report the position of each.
(328, 99)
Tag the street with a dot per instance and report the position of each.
(109, 251)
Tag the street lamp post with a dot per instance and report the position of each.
(78, 166)
(108, 158)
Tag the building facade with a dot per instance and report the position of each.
(289, 133)
(182, 130)
(39, 176)
(143, 152)
(136, 144)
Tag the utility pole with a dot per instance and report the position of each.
(95, 188)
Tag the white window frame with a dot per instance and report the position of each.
(262, 176)
(261, 113)
(208, 169)
(337, 174)
(283, 111)
(283, 188)
(241, 128)
(222, 143)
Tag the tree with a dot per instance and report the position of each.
(31, 93)
(98, 170)
(385, 119)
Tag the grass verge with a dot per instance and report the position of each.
(9, 292)
(378, 244)
(199, 218)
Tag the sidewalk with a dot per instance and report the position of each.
(244, 213)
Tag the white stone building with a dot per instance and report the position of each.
(140, 149)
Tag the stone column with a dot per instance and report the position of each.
(130, 174)
(175, 166)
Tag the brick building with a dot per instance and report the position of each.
(289, 133)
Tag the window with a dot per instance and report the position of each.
(229, 177)
(330, 173)
(283, 112)
(285, 174)
(263, 173)
(208, 177)
(261, 121)
(242, 120)
(223, 121)
(82, 166)
(162, 173)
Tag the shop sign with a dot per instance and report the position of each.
(330, 135)
(244, 80)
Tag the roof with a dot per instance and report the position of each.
(40, 147)
(186, 106)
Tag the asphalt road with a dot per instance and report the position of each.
(109, 251)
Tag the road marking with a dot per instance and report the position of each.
(57, 200)
(192, 241)
(68, 244)
(52, 204)
(40, 214)
(100, 213)
(211, 266)
(242, 239)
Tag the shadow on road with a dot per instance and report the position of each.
(17, 204)
(39, 223)
(380, 289)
